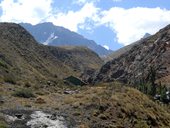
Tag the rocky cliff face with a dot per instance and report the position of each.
(135, 64)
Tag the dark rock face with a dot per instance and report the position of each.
(134, 65)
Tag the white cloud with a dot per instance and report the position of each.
(106, 47)
(32, 11)
(128, 24)
(76, 19)
(131, 24)
(35, 11)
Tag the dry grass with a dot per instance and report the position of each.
(117, 107)
(105, 105)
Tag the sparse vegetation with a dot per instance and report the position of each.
(40, 100)
(3, 64)
(10, 79)
(118, 106)
(3, 125)
(150, 87)
(24, 93)
(2, 122)
(27, 84)
(101, 106)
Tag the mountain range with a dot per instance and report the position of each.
(70, 86)
(49, 34)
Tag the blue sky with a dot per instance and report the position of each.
(110, 23)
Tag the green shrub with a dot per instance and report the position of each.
(3, 64)
(24, 93)
(9, 79)
(3, 124)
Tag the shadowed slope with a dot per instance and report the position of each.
(23, 58)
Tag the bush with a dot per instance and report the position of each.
(9, 79)
(3, 64)
(27, 84)
(24, 93)
(3, 124)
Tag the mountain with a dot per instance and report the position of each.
(22, 58)
(49, 34)
(124, 49)
(146, 35)
(33, 92)
(148, 55)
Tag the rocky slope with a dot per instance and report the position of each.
(49, 34)
(124, 49)
(135, 64)
(22, 58)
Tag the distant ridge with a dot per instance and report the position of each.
(49, 34)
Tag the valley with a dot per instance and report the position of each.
(72, 87)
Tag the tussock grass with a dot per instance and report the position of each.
(115, 105)
(24, 93)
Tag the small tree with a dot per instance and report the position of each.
(151, 79)
(163, 93)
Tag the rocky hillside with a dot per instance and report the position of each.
(132, 66)
(124, 49)
(119, 52)
(49, 34)
(21, 57)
